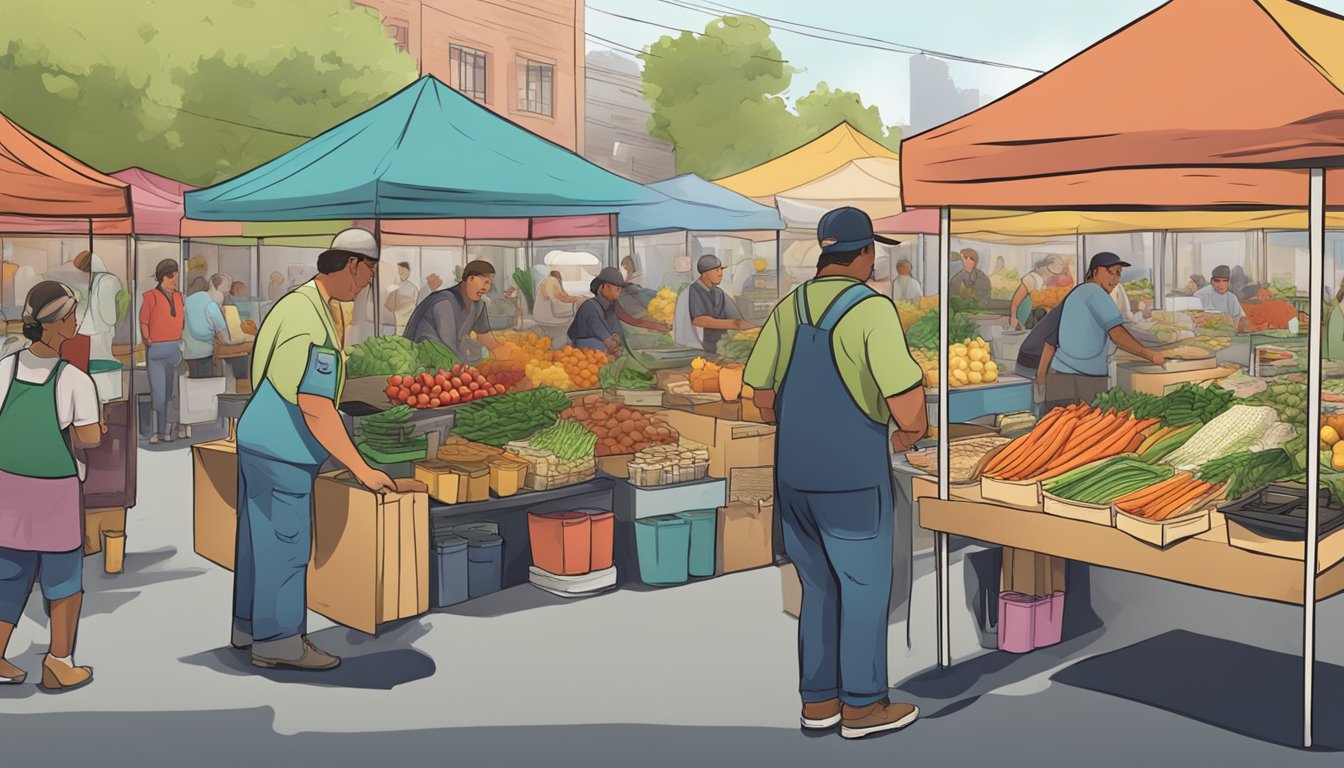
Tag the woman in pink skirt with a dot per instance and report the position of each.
(48, 411)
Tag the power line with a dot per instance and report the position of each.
(230, 122)
(620, 45)
(874, 44)
(679, 29)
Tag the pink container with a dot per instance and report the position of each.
(1027, 623)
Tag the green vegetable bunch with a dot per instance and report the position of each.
(622, 375)
(1106, 482)
(523, 279)
(1141, 406)
(1249, 470)
(567, 439)
(923, 334)
(515, 416)
(1193, 404)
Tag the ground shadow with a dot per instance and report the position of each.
(1239, 688)
(513, 600)
(386, 661)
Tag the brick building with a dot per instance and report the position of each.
(523, 59)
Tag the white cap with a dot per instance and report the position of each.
(356, 240)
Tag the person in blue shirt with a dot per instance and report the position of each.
(1075, 364)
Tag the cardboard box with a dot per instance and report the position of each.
(1329, 551)
(791, 590)
(1031, 573)
(745, 536)
(96, 521)
(616, 466)
(1160, 383)
(370, 559)
(751, 484)
(215, 501)
(732, 443)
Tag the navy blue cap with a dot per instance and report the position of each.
(847, 229)
(1106, 259)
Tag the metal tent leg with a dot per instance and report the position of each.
(1317, 272)
(942, 565)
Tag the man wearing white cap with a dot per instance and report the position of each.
(287, 432)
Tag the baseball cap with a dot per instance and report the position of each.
(708, 263)
(1222, 272)
(356, 242)
(612, 276)
(847, 229)
(1106, 259)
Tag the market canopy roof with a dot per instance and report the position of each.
(1199, 104)
(427, 152)
(156, 201)
(697, 205)
(841, 167)
(38, 180)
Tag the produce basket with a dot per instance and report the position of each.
(668, 465)
(1017, 493)
(1272, 521)
(1164, 533)
(1097, 514)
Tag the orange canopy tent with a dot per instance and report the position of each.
(1200, 104)
(37, 180)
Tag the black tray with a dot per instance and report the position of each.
(1280, 512)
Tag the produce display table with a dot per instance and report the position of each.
(1206, 560)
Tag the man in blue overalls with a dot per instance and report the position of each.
(833, 364)
(288, 431)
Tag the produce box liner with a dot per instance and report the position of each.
(1018, 493)
(1280, 512)
(1164, 533)
(1097, 514)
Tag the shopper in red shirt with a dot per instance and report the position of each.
(162, 314)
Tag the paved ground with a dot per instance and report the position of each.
(699, 674)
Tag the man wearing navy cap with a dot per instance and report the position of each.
(1075, 364)
(711, 309)
(832, 363)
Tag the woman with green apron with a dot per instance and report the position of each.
(50, 408)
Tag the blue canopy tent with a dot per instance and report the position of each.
(425, 154)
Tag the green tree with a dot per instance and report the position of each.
(824, 108)
(198, 91)
(718, 96)
(719, 99)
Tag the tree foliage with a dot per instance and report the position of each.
(196, 90)
(719, 98)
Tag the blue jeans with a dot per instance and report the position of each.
(270, 583)
(61, 575)
(841, 544)
(161, 360)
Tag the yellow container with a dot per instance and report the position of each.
(439, 477)
(114, 551)
(507, 476)
(730, 382)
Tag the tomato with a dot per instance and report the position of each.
(415, 388)
(434, 402)
(403, 394)
(426, 380)
(435, 391)
(499, 389)
(456, 382)
(424, 400)
(391, 391)
(464, 391)
(453, 397)
(473, 386)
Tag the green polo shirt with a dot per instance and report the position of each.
(868, 343)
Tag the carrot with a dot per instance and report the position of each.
(1160, 503)
(1086, 441)
(1134, 443)
(1105, 449)
(1028, 448)
(1057, 440)
(1016, 449)
(1137, 499)
(1154, 438)
(1182, 502)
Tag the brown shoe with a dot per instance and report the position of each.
(876, 718)
(821, 715)
(58, 676)
(11, 675)
(312, 660)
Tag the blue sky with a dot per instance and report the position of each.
(1032, 33)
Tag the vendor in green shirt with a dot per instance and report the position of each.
(287, 432)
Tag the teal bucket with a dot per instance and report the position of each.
(664, 547)
(704, 535)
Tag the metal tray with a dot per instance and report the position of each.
(1280, 512)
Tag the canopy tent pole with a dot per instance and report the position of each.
(1159, 268)
(614, 246)
(1080, 258)
(377, 287)
(940, 542)
(1317, 282)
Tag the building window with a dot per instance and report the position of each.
(536, 84)
(400, 32)
(469, 66)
